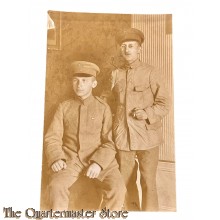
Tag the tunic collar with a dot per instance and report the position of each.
(135, 64)
(86, 101)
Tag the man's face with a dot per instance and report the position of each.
(82, 86)
(130, 50)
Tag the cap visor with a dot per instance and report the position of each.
(82, 75)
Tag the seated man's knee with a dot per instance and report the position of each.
(56, 185)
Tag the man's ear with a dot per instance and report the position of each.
(139, 50)
(94, 84)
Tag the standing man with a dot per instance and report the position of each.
(79, 142)
(141, 103)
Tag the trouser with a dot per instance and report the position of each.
(111, 183)
(148, 161)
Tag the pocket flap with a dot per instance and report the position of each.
(140, 88)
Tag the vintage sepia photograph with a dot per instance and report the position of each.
(109, 109)
(108, 139)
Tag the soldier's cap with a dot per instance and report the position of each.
(131, 34)
(84, 69)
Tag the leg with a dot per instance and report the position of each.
(114, 190)
(148, 161)
(60, 183)
(128, 168)
(84, 194)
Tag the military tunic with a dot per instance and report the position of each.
(138, 86)
(81, 133)
(81, 129)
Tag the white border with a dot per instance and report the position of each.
(196, 88)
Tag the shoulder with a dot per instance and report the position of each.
(104, 106)
(115, 72)
(101, 101)
(66, 104)
(153, 71)
(147, 66)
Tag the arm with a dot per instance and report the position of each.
(105, 154)
(160, 106)
(53, 139)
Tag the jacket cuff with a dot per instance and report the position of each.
(54, 159)
(152, 117)
(93, 161)
(103, 163)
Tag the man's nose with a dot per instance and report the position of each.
(79, 84)
(126, 49)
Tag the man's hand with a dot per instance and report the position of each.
(140, 114)
(58, 165)
(93, 170)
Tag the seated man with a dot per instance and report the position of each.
(79, 142)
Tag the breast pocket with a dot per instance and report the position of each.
(143, 96)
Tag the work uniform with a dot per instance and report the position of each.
(141, 86)
(81, 133)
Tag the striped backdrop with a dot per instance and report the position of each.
(157, 50)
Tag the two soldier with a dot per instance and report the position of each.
(79, 140)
